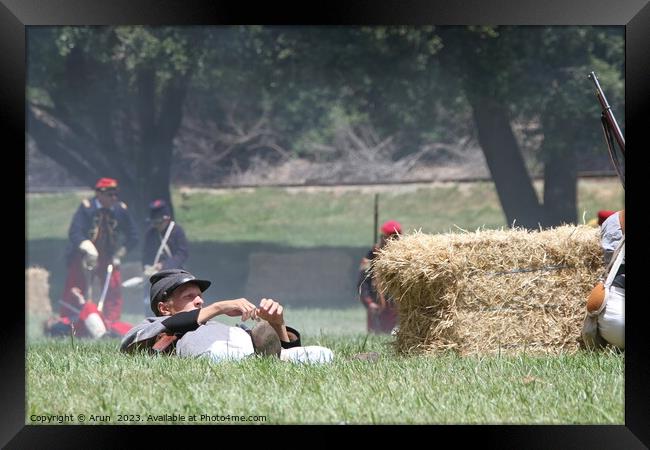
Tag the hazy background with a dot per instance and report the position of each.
(505, 115)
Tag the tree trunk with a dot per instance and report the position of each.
(503, 156)
(560, 188)
(142, 177)
(153, 163)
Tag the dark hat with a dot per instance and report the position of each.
(106, 184)
(158, 209)
(164, 282)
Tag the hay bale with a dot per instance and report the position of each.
(37, 291)
(492, 290)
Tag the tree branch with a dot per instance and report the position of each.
(55, 140)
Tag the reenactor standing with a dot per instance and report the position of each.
(165, 245)
(382, 312)
(100, 234)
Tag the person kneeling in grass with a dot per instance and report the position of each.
(182, 325)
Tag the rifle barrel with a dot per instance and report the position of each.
(376, 221)
(608, 114)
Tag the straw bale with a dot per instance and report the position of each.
(37, 290)
(491, 290)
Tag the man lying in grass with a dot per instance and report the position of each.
(182, 326)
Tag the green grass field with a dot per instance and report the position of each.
(73, 377)
(316, 217)
(68, 377)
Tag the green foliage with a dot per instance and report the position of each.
(395, 76)
(38, 96)
(119, 95)
(541, 72)
(166, 49)
(411, 82)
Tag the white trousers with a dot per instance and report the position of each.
(233, 343)
(611, 322)
(310, 354)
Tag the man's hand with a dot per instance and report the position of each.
(90, 254)
(373, 307)
(78, 294)
(150, 270)
(233, 308)
(238, 307)
(271, 311)
(119, 254)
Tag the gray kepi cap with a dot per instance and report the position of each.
(164, 282)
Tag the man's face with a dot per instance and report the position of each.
(107, 198)
(161, 223)
(184, 298)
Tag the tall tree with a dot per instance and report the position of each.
(539, 73)
(117, 101)
(107, 101)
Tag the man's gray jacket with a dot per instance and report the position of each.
(189, 337)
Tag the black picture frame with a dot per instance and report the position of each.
(16, 15)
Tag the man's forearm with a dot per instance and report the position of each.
(281, 331)
(208, 312)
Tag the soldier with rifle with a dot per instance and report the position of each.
(101, 233)
(382, 311)
(604, 321)
(165, 245)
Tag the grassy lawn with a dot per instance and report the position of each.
(328, 216)
(94, 379)
(73, 377)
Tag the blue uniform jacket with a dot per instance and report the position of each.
(118, 230)
(177, 244)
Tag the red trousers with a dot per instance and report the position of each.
(112, 308)
(63, 326)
